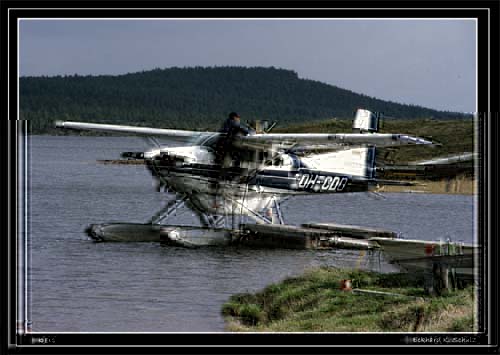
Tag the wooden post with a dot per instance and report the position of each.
(436, 280)
(448, 185)
(429, 283)
(444, 271)
(453, 277)
(440, 275)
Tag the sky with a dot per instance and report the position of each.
(430, 63)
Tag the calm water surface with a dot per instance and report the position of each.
(82, 286)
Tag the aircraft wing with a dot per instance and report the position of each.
(144, 131)
(441, 167)
(349, 139)
(260, 140)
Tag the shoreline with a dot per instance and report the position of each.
(459, 185)
(318, 301)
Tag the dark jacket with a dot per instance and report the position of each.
(233, 128)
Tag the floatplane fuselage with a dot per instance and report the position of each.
(192, 170)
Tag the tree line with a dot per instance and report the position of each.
(196, 98)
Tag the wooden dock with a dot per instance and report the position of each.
(295, 237)
(444, 265)
(445, 273)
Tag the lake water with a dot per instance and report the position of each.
(82, 286)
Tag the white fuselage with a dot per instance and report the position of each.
(217, 198)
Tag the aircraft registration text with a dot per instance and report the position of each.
(319, 182)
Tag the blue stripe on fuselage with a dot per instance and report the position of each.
(301, 179)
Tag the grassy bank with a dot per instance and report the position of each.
(459, 185)
(314, 302)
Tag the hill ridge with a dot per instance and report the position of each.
(197, 98)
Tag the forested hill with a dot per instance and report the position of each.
(196, 98)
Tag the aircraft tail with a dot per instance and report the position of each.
(365, 121)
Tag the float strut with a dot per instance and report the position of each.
(166, 211)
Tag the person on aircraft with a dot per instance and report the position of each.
(231, 128)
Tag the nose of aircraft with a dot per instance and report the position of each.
(151, 153)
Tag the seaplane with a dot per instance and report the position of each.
(270, 168)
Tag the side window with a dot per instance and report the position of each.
(284, 161)
(287, 161)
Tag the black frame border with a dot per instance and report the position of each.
(487, 13)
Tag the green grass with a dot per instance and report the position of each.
(314, 302)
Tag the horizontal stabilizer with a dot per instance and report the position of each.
(453, 159)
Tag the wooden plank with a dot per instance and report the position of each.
(399, 249)
(463, 261)
(273, 235)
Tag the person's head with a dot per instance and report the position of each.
(234, 116)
